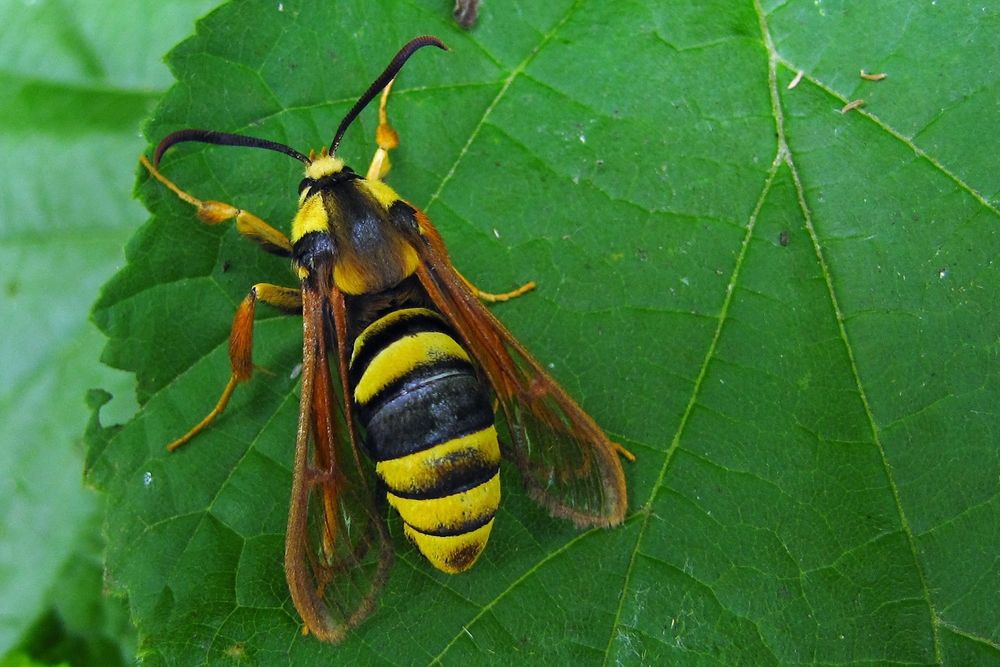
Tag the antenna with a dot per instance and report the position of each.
(384, 78)
(223, 139)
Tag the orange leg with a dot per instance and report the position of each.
(241, 346)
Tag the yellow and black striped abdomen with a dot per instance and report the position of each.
(430, 431)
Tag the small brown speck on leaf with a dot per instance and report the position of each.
(853, 104)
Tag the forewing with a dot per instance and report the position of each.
(568, 463)
(337, 552)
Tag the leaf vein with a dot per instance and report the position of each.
(897, 135)
(786, 156)
(646, 510)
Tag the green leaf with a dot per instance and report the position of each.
(77, 81)
(786, 312)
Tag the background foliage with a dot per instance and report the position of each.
(787, 312)
(77, 81)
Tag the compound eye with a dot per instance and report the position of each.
(306, 183)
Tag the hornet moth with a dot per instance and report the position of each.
(418, 367)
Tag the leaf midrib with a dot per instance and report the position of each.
(784, 156)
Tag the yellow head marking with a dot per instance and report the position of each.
(324, 165)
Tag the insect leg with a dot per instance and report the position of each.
(285, 299)
(213, 212)
(386, 138)
(503, 296)
(622, 452)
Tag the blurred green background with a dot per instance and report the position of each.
(77, 79)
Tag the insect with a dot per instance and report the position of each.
(417, 363)
(466, 12)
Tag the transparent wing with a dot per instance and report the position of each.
(568, 464)
(337, 552)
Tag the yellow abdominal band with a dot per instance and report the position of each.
(438, 525)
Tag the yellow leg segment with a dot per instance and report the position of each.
(213, 212)
(386, 138)
(624, 453)
(494, 298)
(285, 299)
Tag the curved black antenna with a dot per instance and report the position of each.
(223, 139)
(384, 78)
